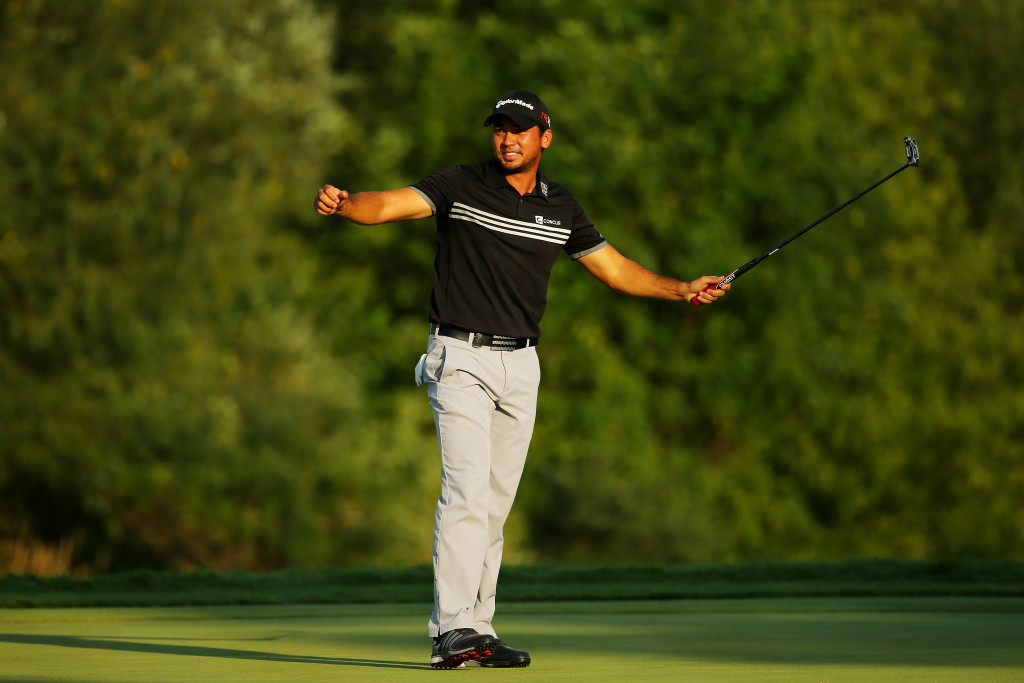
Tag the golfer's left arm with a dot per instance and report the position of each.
(629, 277)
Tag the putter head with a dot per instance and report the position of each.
(913, 158)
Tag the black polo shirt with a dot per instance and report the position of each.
(495, 248)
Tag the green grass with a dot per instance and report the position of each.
(863, 578)
(860, 621)
(797, 640)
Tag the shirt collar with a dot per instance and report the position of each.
(495, 179)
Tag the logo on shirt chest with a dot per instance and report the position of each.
(546, 221)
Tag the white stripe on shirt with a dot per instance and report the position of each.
(496, 223)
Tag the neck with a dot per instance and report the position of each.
(523, 182)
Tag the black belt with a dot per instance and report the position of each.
(494, 341)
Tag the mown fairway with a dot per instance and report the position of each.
(809, 639)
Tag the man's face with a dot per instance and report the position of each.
(518, 149)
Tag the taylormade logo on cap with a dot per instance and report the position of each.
(523, 107)
(502, 103)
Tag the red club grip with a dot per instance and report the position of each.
(696, 301)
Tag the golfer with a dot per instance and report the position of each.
(500, 227)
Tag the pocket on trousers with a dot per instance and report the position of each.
(431, 365)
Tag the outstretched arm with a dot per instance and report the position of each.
(372, 208)
(629, 277)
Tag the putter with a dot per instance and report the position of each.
(913, 159)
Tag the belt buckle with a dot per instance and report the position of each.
(476, 339)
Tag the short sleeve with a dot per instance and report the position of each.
(585, 238)
(439, 188)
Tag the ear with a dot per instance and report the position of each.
(545, 139)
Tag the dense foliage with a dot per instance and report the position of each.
(198, 371)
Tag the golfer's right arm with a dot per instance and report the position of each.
(372, 208)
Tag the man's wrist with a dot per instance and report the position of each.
(685, 292)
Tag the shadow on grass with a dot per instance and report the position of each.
(87, 643)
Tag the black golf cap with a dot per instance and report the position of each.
(523, 107)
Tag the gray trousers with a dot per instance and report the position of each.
(485, 403)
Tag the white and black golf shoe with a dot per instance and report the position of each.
(462, 647)
(505, 657)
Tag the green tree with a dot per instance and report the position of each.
(198, 371)
(813, 414)
(169, 398)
